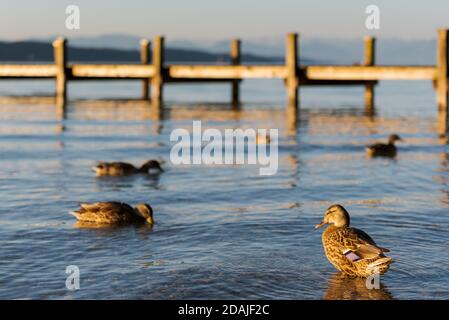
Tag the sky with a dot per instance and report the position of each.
(215, 20)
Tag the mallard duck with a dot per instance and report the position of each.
(114, 213)
(384, 149)
(124, 169)
(351, 250)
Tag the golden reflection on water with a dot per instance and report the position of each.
(110, 228)
(351, 122)
(330, 122)
(341, 287)
(444, 168)
(357, 124)
(342, 121)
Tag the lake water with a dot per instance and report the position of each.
(221, 231)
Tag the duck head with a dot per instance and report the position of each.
(393, 138)
(336, 215)
(151, 164)
(100, 168)
(145, 211)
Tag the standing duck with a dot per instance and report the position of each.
(124, 169)
(384, 149)
(114, 213)
(351, 250)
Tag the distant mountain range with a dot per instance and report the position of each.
(267, 50)
(42, 51)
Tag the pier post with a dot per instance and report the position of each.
(60, 57)
(145, 59)
(157, 81)
(442, 78)
(235, 60)
(369, 60)
(292, 82)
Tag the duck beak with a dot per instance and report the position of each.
(319, 225)
(150, 220)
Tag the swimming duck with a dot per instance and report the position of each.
(351, 250)
(114, 213)
(384, 149)
(123, 168)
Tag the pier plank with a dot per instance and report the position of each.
(28, 71)
(226, 72)
(370, 72)
(120, 71)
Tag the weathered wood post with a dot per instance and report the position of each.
(157, 81)
(369, 60)
(235, 60)
(442, 78)
(292, 82)
(145, 59)
(60, 57)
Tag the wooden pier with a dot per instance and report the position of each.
(156, 74)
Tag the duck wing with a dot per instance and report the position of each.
(122, 165)
(114, 168)
(356, 244)
(376, 146)
(365, 237)
(99, 206)
(103, 211)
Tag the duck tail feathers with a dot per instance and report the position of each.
(75, 214)
(381, 265)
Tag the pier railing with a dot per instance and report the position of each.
(155, 74)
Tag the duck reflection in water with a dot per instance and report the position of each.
(117, 169)
(117, 183)
(342, 287)
(120, 175)
(114, 230)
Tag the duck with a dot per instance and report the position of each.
(114, 213)
(124, 169)
(384, 149)
(351, 250)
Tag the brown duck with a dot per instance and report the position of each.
(351, 250)
(114, 213)
(124, 169)
(384, 149)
